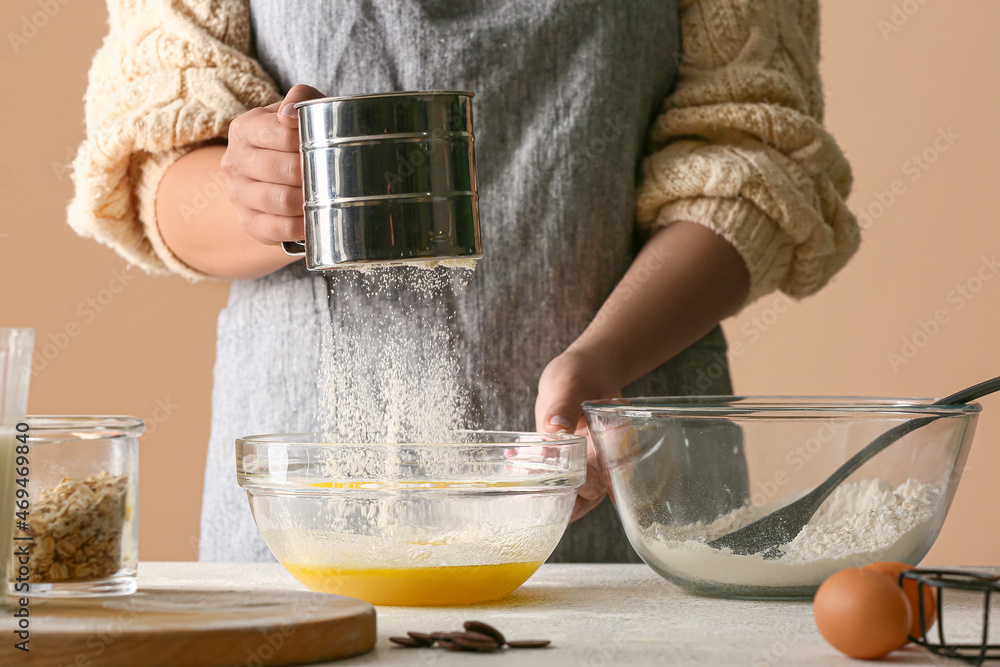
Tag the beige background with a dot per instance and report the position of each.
(896, 82)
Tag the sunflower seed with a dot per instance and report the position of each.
(424, 638)
(529, 643)
(408, 642)
(486, 629)
(462, 644)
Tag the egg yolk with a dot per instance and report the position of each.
(417, 586)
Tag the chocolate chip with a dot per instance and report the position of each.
(486, 629)
(424, 638)
(463, 644)
(478, 636)
(408, 642)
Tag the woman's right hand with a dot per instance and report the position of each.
(262, 169)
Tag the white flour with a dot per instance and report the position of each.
(467, 263)
(392, 376)
(860, 522)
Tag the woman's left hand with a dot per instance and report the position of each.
(570, 379)
(684, 281)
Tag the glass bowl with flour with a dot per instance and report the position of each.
(687, 470)
(413, 524)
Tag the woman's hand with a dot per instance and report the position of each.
(683, 282)
(568, 380)
(237, 236)
(262, 169)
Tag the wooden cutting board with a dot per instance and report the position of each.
(196, 628)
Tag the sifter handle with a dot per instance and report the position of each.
(294, 248)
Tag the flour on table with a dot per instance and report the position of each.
(860, 522)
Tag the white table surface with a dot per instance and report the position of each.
(596, 616)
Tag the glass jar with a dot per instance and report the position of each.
(15, 374)
(77, 536)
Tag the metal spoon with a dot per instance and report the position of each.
(768, 533)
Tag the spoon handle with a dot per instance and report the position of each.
(822, 491)
(892, 435)
(972, 393)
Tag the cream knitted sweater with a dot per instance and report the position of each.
(740, 146)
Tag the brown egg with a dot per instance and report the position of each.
(862, 613)
(892, 570)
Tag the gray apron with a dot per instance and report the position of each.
(565, 93)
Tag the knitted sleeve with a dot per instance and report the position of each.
(740, 146)
(171, 75)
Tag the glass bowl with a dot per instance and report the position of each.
(76, 528)
(412, 524)
(686, 470)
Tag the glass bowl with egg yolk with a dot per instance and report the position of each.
(420, 524)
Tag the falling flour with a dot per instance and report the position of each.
(393, 375)
(465, 263)
(859, 523)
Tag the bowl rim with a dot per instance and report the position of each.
(560, 439)
(61, 428)
(248, 449)
(767, 405)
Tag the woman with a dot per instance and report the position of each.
(741, 192)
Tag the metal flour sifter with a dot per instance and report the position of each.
(388, 179)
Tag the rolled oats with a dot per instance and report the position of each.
(77, 528)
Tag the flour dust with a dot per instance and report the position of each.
(393, 375)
